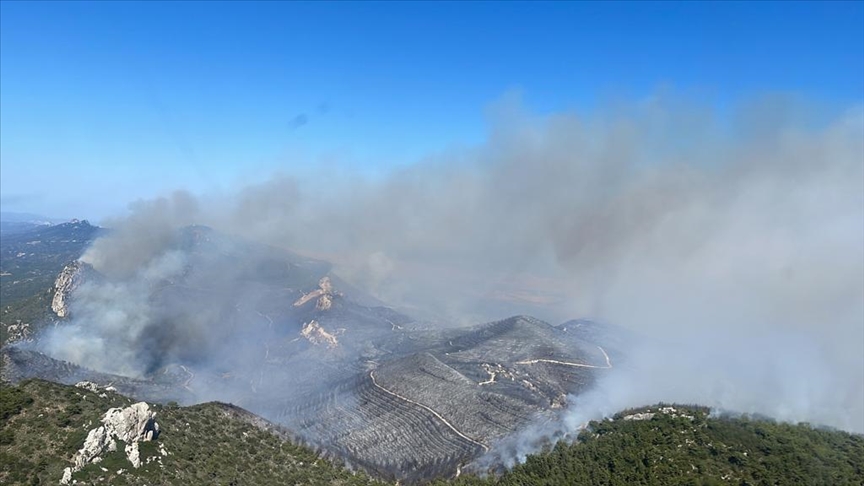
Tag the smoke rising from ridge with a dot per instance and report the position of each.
(738, 245)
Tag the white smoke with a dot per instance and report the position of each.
(737, 244)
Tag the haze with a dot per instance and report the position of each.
(726, 229)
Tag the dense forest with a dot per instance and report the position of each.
(691, 448)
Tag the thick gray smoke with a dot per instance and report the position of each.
(735, 243)
(115, 321)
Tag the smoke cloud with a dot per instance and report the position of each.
(734, 243)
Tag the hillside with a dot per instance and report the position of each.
(361, 383)
(30, 259)
(214, 317)
(44, 424)
(684, 445)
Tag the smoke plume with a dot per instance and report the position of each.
(734, 243)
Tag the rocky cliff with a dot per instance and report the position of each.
(68, 280)
(130, 425)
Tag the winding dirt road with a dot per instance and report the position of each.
(491, 379)
(188, 380)
(565, 363)
(438, 415)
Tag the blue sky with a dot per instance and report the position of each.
(102, 103)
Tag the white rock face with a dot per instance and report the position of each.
(648, 415)
(324, 303)
(88, 385)
(317, 335)
(324, 295)
(66, 282)
(133, 455)
(131, 424)
(95, 444)
(20, 331)
(95, 388)
(67, 476)
(639, 416)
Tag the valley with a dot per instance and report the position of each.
(319, 364)
(284, 337)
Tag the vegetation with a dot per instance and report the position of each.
(674, 449)
(44, 424)
(29, 263)
(31, 260)
(33, 311)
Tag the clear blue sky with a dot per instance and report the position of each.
(101, 103)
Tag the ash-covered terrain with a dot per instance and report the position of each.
(213, 317)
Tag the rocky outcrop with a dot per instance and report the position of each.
(324, 293)
(324, 302)
(20, 331)
(69, 279)
(317, 335)
(648, 414)
(131, 425)
(95, 388)
(98, 441)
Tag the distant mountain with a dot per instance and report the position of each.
(13, 227)
(37, 219)
(13, 223)
(31, 259)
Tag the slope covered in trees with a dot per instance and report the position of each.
(689, 447)
(42, 424)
